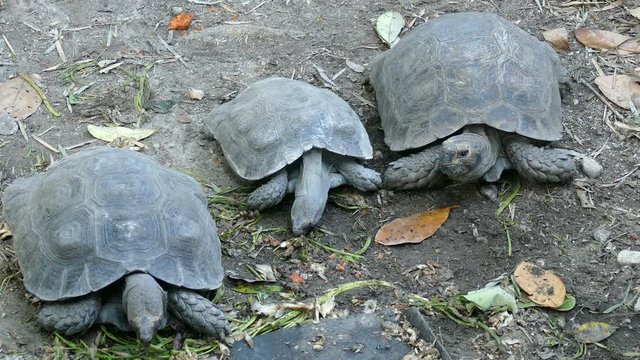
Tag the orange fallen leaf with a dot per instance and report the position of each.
(412, 229)
(607, 40)
(181, 21)
(621, 89)
(296, 278)
(544, 287)
(558, 38)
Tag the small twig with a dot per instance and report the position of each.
(13, 53)
(46, 131)
(23, 131)
(539, 5)
(45, 144)
(624, 177)
(197, 2)
(255, 7)
(37, 88)
(81, 144)
(175, 54)
(601, 98)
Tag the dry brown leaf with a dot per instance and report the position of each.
(18, 98)
(412, 229)
(607, 40)
(635, 12)
(558, 38)
(621, 89)
(544, 287)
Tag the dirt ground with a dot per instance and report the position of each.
(233, 44)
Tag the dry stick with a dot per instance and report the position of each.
(204, 2)
(23, 131)
(81, 144)
(601, 98)
(44, 143)
(175, 54)
(255, 7)
(539, 5)
(13, 53)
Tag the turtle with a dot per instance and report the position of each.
(110, 236)
(471, 94)
(302, 138)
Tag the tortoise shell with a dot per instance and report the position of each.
(467, 68)
(274, 121)
(100, 214)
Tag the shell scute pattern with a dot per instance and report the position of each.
(274, 121)
(483, 79)
(128, 214)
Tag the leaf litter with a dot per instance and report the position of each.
(607, 40)
(388, 26)
(622, 90)
(412, 229)
(543, 287)
(18, 98)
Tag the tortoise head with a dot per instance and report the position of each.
(466, 157)
(145, 303)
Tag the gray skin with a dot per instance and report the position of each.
(472, 95)
(317, 173)
(300, 138)
(109, 236)
(144, 307)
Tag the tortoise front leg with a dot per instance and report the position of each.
(70, 317)
(200, 314)
(539, 164)
(358, 176)
(415, 171)
(270, 193)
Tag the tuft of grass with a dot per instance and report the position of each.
(513, 188)
(347, 256)
(455, 310)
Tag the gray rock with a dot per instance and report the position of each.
(591, 167)
(628, 257)
(601, 234)
(8, 125)
(354, 337)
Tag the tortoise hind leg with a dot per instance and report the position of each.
(270, 193)
(539, 164)
(415, 171)
(198, 313)
(70, 317)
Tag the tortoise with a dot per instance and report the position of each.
(110, 236)
(304, 139)
(476, 95)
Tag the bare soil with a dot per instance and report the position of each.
(224, 51)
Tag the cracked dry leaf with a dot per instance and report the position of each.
(18, 98)
(110, 133)
(592, 332)
(635, 12)
(607, 40)
(621, 89)
(544, 287)
(412, 229)
(388, 26)
(558, 38)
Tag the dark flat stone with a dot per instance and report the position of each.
(341, 338)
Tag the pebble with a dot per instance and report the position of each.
(8, 126)
(591, 167)
(601, 234)
(176, 10)
(196, 94)
(628, 257)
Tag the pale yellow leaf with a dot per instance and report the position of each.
(607, 40)
(18, 98)
(389, 26)
(110, 133)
